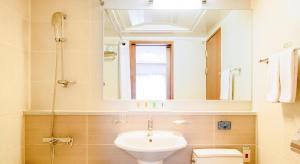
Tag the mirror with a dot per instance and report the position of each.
(177, 54)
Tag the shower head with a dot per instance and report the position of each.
(58, 25)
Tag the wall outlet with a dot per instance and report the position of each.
(247, 154)
(224, 125)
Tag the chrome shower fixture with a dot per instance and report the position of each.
(58, 24)
(57, 140)
(65, 83)
(150, 1)
(101, 2)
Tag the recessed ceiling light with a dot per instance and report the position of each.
(178, 4)
(136, 17)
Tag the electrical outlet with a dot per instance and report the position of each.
(224, 125)
(247, 154)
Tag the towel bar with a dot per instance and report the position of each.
(295, 147)
(295, 143)
(266, 60)
(232, 70)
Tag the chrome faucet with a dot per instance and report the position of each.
(150, 127)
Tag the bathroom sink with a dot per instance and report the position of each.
(150, 147)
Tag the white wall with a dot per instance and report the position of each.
(189, 65)
(189, 69)
(111, 72)
(111, 78)
(14, 55)
(275, 23)
(236, 50)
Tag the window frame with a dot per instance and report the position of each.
(170, 65)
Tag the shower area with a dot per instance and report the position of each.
(58, 24)
(65, 55)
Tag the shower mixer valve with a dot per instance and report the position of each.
(55, 140)
(65, 83)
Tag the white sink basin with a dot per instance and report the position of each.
(151, 149)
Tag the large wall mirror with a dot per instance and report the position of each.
(177, 54)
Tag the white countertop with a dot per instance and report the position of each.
(141, 112)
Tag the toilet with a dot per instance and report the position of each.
(217, 156)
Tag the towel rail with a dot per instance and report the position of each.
(234, 70)
(266, 60)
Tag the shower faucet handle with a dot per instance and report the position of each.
(57, 140)
(65, 83)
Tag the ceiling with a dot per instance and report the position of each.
(161, 22)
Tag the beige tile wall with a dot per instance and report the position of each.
(14, 57)
(82, 59)
(94, 136)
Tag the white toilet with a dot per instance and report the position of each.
(217, 156)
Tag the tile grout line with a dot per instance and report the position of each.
(214, 132)
(87, 139)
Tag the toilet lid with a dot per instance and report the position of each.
(217, 153)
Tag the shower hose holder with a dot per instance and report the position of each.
(60, 39)
(65, 83)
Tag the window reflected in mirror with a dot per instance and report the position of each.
(151, 70)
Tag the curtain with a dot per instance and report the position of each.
(124, 73)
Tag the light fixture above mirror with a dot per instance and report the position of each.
(179, 4)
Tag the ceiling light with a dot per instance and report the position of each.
(136, 17)
(178, 4)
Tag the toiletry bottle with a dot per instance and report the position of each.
(153, 105)
(138, 105)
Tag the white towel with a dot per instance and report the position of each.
(288, 76)
(273, 79)
(226, 85)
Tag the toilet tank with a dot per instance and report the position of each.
(217, 156)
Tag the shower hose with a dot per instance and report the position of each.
(59, 53)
